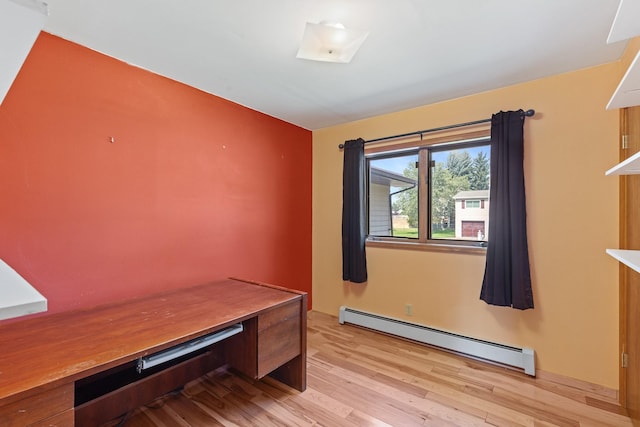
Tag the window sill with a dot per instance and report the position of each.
(428, 247)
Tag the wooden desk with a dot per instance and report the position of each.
(44, 360)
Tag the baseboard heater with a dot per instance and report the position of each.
(522, 358)
(186, 348)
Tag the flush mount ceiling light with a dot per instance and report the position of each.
(330, 42)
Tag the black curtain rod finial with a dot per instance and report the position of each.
(530, 113)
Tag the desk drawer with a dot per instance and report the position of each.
(278, 337)
(38, 407)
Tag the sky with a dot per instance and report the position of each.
(398, 164)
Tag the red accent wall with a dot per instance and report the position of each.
(194, 188)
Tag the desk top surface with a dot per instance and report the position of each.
(51, 350)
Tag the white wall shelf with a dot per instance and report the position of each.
(630, 166)
(627, 257)
(20, 25)
(625, 24)
(627, 93)
(17, 296)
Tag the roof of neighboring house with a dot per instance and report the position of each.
(472, 194)
(392, 179)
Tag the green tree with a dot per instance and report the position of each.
(479, 177)
(460, 172)
(407, 201)
(445, 185)
(459, 163)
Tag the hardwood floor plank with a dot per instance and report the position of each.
(328, 403)
(528, 390)
(416, 406)
(537, 409)
(241, 411)
(589, 390)
(137, 418)
(189, 411)
(368, 401)
(311, 407)
(318, 414)
(222, 412)
(365, 420)
(360, 378)
(496, 420)
(167, 417)
(608, 406)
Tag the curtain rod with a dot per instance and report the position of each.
(528, 113)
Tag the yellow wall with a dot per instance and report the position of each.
(630, 52)
(572, 218)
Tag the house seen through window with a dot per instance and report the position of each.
(436, 193)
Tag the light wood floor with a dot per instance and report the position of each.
(361, 378)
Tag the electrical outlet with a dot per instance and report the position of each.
(408, 308)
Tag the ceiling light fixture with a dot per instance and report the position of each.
(330, 42)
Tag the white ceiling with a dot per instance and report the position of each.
(418, 51)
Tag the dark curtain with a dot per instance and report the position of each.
(354, 260)
(507, 277)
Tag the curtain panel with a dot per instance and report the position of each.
(507, 276)
(354, 232)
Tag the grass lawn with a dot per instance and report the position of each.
(406, 232)
(449, 233)
(413, 233)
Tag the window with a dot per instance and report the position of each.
(431, 194)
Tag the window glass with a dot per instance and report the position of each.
(444, 188)
(393, 196)
(459, 182)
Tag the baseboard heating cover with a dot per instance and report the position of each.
(522, 358)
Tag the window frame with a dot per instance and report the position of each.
(423, 147)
